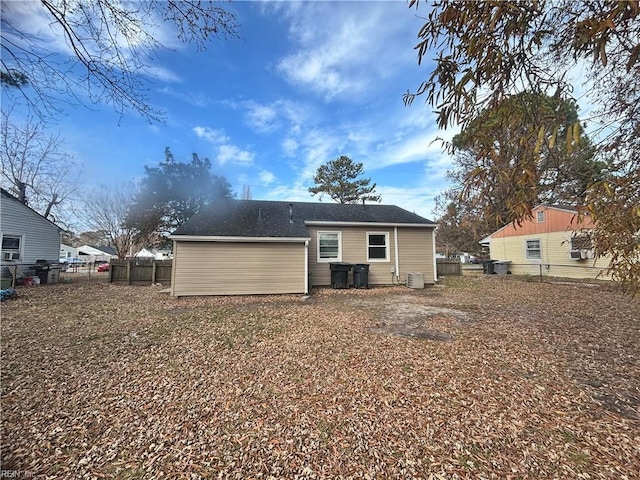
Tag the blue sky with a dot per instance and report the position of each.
(305, 83)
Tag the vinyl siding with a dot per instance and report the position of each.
(555, 220)
(415, 252)
(220, 268)
(40, 237)
(415, 249)
(556, 259)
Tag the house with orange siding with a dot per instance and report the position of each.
(555, 242)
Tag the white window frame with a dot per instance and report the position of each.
(12, 251)
(330, 232)
(387, 246)
(540, 216)
(529, 250)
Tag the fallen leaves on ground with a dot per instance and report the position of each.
(483, 377)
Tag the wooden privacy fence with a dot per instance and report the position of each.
(139, 271)
(448, 266)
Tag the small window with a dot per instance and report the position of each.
(534, 251)
(11, 245)
(377, 247)
(329, 247)
(540, 216)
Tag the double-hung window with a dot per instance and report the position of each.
(11, 247)
(329, 247)
(533, 250)
(377, 247)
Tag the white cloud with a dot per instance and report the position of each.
(268, 117)
(192, 98)
(263, 118)
(266, 177)
(211, 135)
(344, 49)
(320, 73)
(233, 154)
(226, 152)
(163, 74)
(418, 199)
(289, 147)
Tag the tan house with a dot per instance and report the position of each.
(554, 243)
(243, 247)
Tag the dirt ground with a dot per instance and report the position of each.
(478, 377)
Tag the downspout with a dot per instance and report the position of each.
(435, 266)
(395, 247)
(306, 267)
(173, 269)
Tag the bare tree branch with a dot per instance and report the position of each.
(35, 167)
(97, 52)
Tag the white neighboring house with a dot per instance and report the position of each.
(67, 251)
(465, 257)
(155, 254)
(96, 254)
(26, 235)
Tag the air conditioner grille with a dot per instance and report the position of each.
(415, 280)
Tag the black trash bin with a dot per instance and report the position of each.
(361, 275)
(487, 267)
(42, 268)
(340, 274)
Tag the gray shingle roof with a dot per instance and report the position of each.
(261, 218)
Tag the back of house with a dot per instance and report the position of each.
(265, 247)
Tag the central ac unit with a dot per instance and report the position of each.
(415, 280)
(575, 254)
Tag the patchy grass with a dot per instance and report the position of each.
(480, 377)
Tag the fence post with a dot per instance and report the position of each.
(540, 273)
(129, 272)
(153, 272)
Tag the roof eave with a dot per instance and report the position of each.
(225, 238)
(368, 224)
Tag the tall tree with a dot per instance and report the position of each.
(492, 151)
(461, 223)
(339, 179)
(173, 192)
(488, 51)
(106, 211)
(59, 51)
(35, 168)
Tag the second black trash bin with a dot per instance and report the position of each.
(487, 267)
(361, 275)
(340, 274)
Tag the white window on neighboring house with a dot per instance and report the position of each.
(534, 250)
(329, 247)
(377, 247)
(540, 216)
(11, 247)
